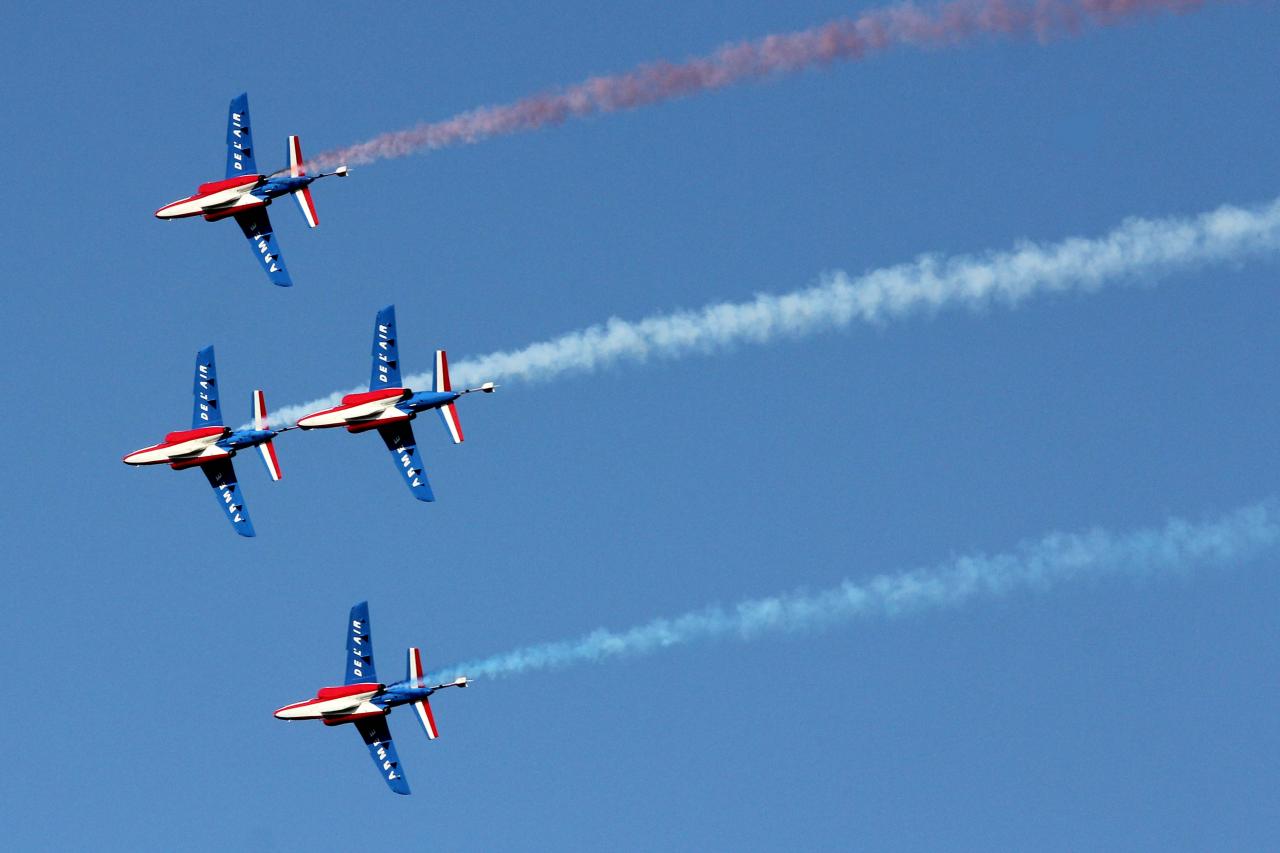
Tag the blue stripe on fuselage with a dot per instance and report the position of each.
(278, 186)
(401, 693)
(246, 438)
(426, 400)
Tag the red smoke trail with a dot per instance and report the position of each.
(849, 39)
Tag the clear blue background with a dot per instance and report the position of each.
(149, 645)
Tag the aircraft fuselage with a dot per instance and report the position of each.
(345, 704)
(371, 409)
(220, 199)
(197, 446)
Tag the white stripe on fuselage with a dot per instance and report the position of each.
(343, 705)
(196, 448)
(227, 199)
(375, 410)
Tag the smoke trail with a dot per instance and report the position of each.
(1137, 248)
(1177, 547)
(848, 40)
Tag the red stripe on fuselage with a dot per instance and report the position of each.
(218, 186)
(183, 464)
(189, 434)
(350, 718)
(232, 211)
(370, 396)
(338, 692)
(365, 426)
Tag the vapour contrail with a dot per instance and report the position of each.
(1139, 250)
(1177, 547)
(846, 40)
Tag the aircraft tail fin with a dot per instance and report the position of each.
(421, 708)
(267, 449)
(441, 384)
(298, 169)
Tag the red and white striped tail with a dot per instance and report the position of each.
(421, 709)
(267, 449)
(307, 205)
(450, 415)
(298, 169)
(441, 384)
(259, 410)
(441, 379)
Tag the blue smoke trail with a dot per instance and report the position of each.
(1177, 547)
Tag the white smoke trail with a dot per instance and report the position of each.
(1138, 250)
(1178, 547)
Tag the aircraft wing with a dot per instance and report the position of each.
(386, 351)
(222, 476)
(256, 226)
(360, 668)
(240, 159)
(378, 738)
(404, 450)
(204, 409)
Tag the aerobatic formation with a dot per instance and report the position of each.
(390, 405)
(386, 407)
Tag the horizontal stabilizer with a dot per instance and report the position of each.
(297, 168)
(449, 414)
(440, 381)
(307, 205)
(421, 708)
(441, 385)
(267, 449)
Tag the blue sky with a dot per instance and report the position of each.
(153, 644)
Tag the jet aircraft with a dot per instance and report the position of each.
(245, 194)
(388, 407)
(366, 702)
(210, 445)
